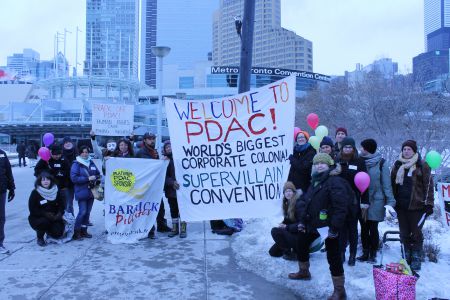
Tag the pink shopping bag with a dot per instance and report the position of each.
(391, 286)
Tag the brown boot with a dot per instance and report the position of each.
(303, 272)
(77, 235)
(84, 233)
(339, 288)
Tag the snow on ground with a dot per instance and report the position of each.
(251, 250)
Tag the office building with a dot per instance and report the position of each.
(112, 38)
(437, 24)
(273, 46)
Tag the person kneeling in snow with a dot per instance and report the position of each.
(285, 235)
(46, 206)
(326, 203)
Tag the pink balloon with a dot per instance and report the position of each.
(362, 181)
(44, 153)
(48, 139)
(313, 120)
(296, 131)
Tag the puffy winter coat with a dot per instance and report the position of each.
(380, 192)
(79, 174)
(333, 196)
(6, 176)
(38, 208)
(301, 165)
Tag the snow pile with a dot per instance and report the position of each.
(251, 251)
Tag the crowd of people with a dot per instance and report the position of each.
(321, 192)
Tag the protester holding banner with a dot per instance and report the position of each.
(412, 186)
(325, 204)
(341, 134)
(85, 175)
(148, 151)
(46, 205)
(170, 190)
(301, 162)
(350, 164)
(380, 196)
(69, 154)
(285, 235)
(124, 149)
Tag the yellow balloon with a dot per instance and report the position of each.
(321, 131)
(315, 142)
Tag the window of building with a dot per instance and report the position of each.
(186, 82)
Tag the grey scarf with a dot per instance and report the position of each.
(48, 194)
(372, 159)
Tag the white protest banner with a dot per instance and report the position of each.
(133, 193)
(112, 119)
(231, 154)
(444, 200)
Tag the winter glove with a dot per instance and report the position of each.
(301, 227)
(176, 185)
(390, 211)
(332, 234)
(92, 133)
(11, 195)
(428, 210)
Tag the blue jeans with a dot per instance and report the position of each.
(84, 211)
(68, 195)
(2, 217)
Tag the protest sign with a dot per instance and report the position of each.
(444, 200)
(133, 193)
(231, 154)
(112, 119)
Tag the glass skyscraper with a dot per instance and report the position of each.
(437, 24)
(183, 25)
(112, 50)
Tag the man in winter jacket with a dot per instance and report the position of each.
(412, 186)
(148, 151)
(69, 152)
(341, 134)
(21, 149)
(325, 204)
(380, 196)
(349, 165)
(6, 184)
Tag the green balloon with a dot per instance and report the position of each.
(433, 159)
(315, 142)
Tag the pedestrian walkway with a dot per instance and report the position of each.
(201, 266)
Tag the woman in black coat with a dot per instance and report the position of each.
(349, 164)
(285, 235)
(301, 162)
(325, 204)
(46, 205)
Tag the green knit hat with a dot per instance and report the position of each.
(323, 158)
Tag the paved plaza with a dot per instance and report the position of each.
(201, 266)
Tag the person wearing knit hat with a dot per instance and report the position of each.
(323, 158)
(301, 161)
(370, 145)
(413, 189)
(326, 146)
(285, 235)
(380, 199)
(171, 186)
(350, 164)
(341, 133)
(326, 190)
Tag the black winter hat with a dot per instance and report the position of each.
(370, 145)
(410, 143)
(67, 139)
(327, 141)
(55, 149)
(149, 135)
(348, 141)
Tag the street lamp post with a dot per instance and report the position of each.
(160, 52)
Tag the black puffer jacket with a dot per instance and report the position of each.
(333, 196)
(301, 165)
(60, 169)
(6, 176)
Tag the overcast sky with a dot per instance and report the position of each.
(343, 32)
